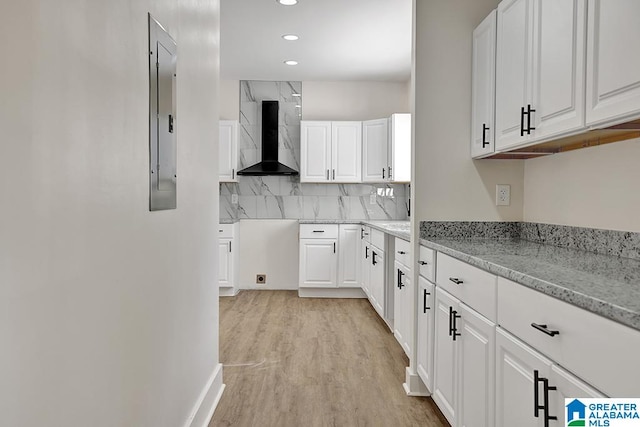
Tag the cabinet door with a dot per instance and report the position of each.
(477, 369)
(315, 151)
(567, 386)
(483, 93)
(613, 66)
(445, 361)
(558, 67)
(515, 366)
(349, 256)
(228, 150)
(225, 263)
(377, 279)
(402, 309)
(346, 158)
(424, 343)
(513, 68)
(374, 150)
(399, 155)
(365, 268)
(318, 263)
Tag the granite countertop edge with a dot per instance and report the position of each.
(381, 225)
(605, 309)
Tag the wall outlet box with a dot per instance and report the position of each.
(261, 279)
(503, 195)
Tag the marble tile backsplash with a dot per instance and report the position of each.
(275, 197)
(284, 197)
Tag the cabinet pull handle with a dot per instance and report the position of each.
(545, 402)
(522, 113)
(233, 174)
(456, 280)
(485, 128)
(361, 233)
(529, 111)
(423, 262)
(544, 329)
(424, 301)
(389, 172)
(229, 246)
(334, 247)
(366, 252)
(453, 329)
(401, 252)
(334, 174)
(327, 174)
(383, 170)
(400, 274)
(318, 231)
(373, 257)
(170, 123)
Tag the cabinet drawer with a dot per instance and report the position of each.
(225, 231)
(377, 238)
(475, 287)
(318, 231)
(403, 250)
(600, 351)
(426, 262)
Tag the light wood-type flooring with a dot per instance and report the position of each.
(292, 361)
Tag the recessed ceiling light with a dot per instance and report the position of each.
(287, 2)
(291, 62)
(290, 37)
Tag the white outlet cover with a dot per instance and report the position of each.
(503, 195)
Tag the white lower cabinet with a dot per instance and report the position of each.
(424, 335)
(225, 263)
(318, 263)
(377, 276)
(477, 367)
(365, 270)
(402, 322)
(567, 386)
(228, 258)
(349, 256)
(464, 359)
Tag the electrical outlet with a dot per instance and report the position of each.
(234, 199)
(261, 279)
(503, 195)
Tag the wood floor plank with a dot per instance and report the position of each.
(292, 361)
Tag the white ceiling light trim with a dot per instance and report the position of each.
(291, 62)
(290, 37)
(287, 2)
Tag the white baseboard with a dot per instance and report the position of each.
(207, 401)
(413, 384)
(229, 292)
(331, 293)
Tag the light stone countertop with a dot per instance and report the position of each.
(399, 229)
(603, 284)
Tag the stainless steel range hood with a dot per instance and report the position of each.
(269, 164)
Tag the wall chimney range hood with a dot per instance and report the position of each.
(269, 164)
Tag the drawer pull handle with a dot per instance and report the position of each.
(544, 329)
(401, 252)
(456, 280)
(423, 262)
(318, 231)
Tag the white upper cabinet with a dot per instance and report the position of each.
(540, 71)
(558, 68)
(483, 88)
(315, 151)
(374, 150)
(331, 151)
(613, 65)
(228, 150)
(346, 149)
(399, 150)
(513, 67)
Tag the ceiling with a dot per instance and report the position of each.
(367, 40)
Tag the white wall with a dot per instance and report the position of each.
(108, 312)
(229, 99)
(448, 185)
(353, 100)
(593, 187)
(269, 247)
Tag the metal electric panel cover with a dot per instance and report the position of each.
(162, 118)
